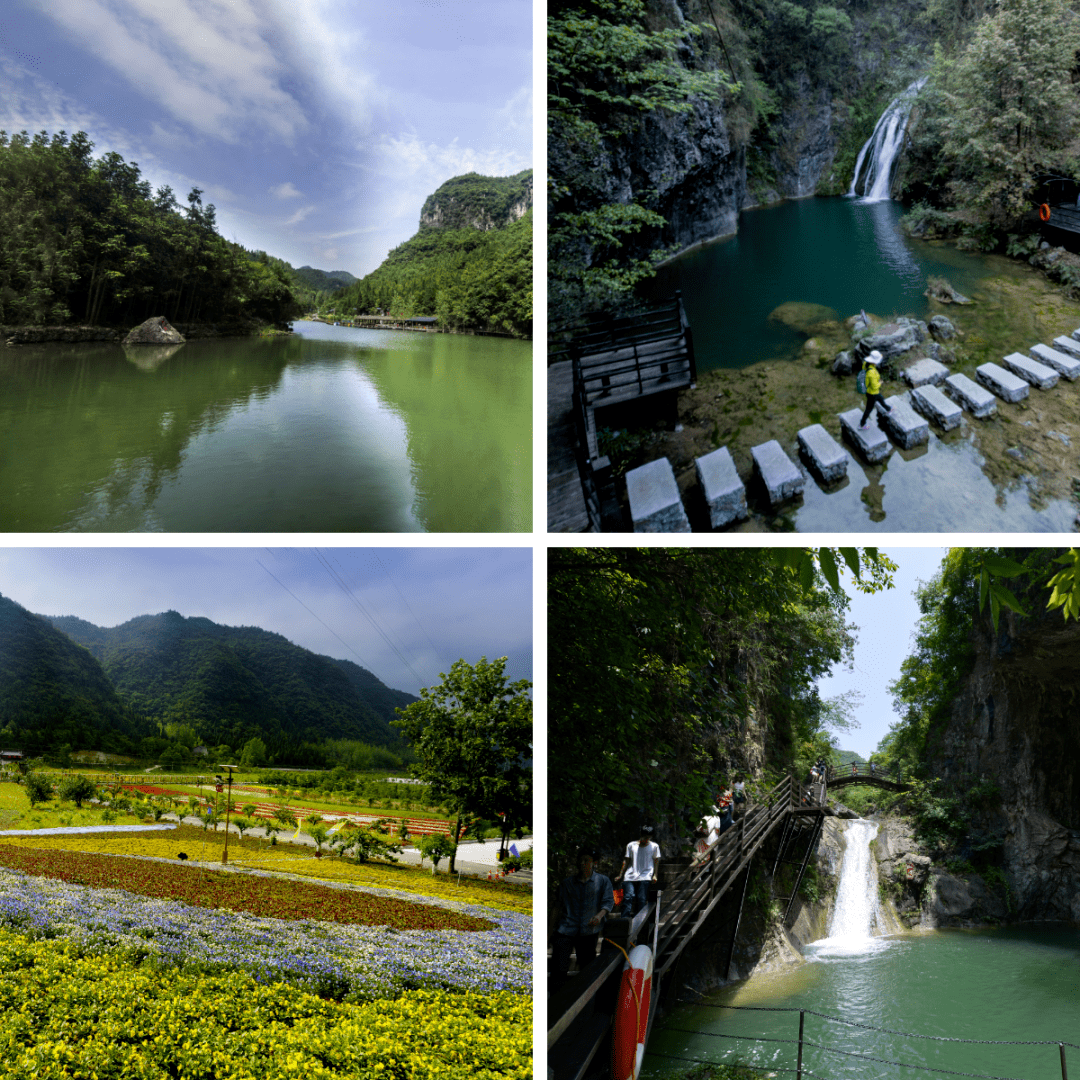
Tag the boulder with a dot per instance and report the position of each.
(845, 363)
(939, 289)
(155, 331)
(891, 340)
(942, 328)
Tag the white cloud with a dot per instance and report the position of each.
(300, 215)
(285, 191)
(205, 61)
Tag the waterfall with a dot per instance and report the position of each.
(883, 146)
(855, 917)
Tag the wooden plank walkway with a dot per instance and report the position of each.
(566, 500)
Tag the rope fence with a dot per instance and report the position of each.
(802, 1043)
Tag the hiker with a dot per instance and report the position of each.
(873, 387)
(585, 899)
(725, 807)
(643, 855)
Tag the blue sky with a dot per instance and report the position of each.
(425, 607)
(316, 128)
(884, 624)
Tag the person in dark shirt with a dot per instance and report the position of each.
(584, 902)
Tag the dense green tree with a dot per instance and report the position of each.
(472, 735)
(1010, 107)
(77, 789)
(662, 662)
(38, 788)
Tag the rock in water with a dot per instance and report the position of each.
(155, 331)
(803, 316)
(939, 289)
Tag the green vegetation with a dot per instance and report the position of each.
(472, 736)
(470, 265)
(662, 660)
(86, 239)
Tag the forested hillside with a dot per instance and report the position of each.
(161, 682)
(230, 684)
(86, 240)
(470, 263)
(53, 691)
(666, 119)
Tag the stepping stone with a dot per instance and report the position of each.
(1064, 363)
(1067, 345)
(655, 505)
(828, 458)
(724, 491)
(903, 423)
(975, 398)
(1076, 334)
(870, 441)
(925, 371)
(934, 405)
(1031, 370)
(1003, 383)
(778, 472)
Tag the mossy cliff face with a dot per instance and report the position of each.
(699, 168)
(1015, 724)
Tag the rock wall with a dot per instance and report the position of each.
(1015, 725)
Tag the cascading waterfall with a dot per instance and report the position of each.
(881, 149)
(856, 914)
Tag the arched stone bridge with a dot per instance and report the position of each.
(862, 773)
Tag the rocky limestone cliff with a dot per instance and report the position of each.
(691, 167)
(479, 202)
(1015, 724)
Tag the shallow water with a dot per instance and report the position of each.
(334, 429)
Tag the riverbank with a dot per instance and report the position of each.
(385, 322)
(1031, 445)
(40, 335)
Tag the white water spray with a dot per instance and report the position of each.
(855, 917)
(883, 147)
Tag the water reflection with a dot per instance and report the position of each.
(356, 431)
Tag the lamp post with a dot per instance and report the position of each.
(228, 808)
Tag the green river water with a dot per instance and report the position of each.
(1001, 985)
(333, 429)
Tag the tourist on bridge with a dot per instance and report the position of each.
(643, 857)
(740, 792)
(873, 386)
(585, 899)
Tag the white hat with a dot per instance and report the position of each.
(875, 357)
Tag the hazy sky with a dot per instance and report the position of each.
(316, 128)
(405, 614)
(885, 623)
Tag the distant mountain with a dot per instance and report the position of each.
(323, 280)
(53, 691)
(231, 684)
(846, 757)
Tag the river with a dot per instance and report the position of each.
(1016, 984)
(334, 429)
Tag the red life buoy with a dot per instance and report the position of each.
(632, 1015)
(1044, 212)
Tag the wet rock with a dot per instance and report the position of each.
(1015, 452)
(942, 328)
(939, 289)
(800, 315)
(155, 331)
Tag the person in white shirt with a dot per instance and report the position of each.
(643, 857)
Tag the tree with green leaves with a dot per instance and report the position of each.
(472, 736)
(38, 788)
(663, 663)
(1009, 105)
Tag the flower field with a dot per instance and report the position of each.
(285, 858)
(63, 1014)
(220, 889)
(119, 961)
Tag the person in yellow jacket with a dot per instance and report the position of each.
(873, 387)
